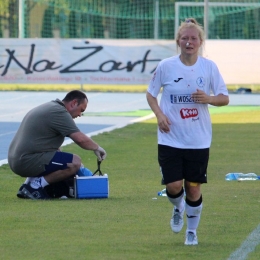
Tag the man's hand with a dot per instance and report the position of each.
(100, 153)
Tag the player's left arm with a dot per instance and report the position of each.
(217, 86)
(218, 100)
(201, 97)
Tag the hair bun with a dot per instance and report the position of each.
(191, 20)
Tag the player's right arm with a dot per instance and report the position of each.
(162, 120)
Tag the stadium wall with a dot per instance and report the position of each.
(124, 62)
(237, 60)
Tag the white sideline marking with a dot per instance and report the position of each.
(248, 246)
(2, 162)
(69, 141)
(8, 133)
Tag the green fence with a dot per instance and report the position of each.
(124, 19)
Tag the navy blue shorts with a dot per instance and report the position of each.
(183, 164)
(58, 162)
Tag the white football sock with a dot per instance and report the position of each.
(193, 217)
(44, 182)
(38, 182)
(27, 180)
(35, 182)
(179, 202)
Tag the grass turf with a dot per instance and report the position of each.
(131, 224)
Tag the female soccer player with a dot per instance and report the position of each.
(189, 83)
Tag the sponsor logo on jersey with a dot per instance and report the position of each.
(181, 99)
(189, 112)
(200, 82)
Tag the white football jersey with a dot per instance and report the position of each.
(190, 122)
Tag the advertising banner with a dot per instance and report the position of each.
(78, 61)
(115, 62)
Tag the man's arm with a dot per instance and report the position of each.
(83, 141)
(88, 144)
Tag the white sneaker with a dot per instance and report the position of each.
(191, 239)
(177, 220)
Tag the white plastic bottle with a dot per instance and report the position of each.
(162, 193)
(247, 177)
(232, 176)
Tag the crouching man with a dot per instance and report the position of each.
(34, 152)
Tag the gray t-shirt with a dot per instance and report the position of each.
(39, 136)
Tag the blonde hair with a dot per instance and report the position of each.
(190, 23)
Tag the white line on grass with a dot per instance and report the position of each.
(248, 246)
(2, 162)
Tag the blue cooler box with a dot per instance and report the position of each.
(91, 187)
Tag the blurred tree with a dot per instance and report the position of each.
(9, 17)
(47, 23)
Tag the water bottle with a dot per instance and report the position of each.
(162, 193)
(232, 176)
(84, 172)
(248, 177)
